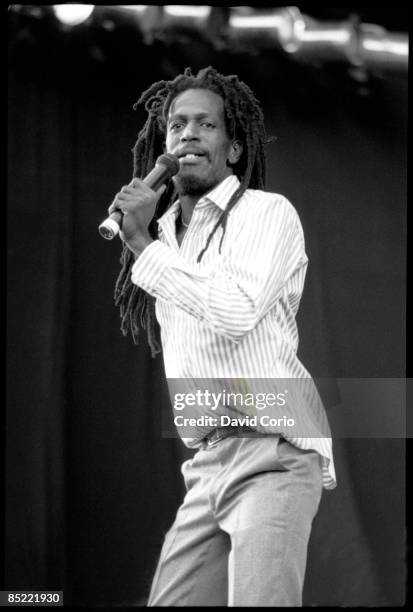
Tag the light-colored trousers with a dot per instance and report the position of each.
(240, 536)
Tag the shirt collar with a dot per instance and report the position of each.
(222, 193)
(219, 195)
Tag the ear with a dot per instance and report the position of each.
(235, 152)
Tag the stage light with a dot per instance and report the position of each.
(335, 36)
(279, 21)
(136, 8)
(73, 14)
(266, 27)
(388, 46)
(247, 28)
(179, 10)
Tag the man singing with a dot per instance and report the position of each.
(221, 264)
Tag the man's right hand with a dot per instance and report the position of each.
(137, 202)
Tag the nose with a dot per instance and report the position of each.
(190, 132)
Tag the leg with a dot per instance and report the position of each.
(192, 568)
(268, 515)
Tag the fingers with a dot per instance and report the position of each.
(136, 182)
(119, 199)
(113, 209)
(115, 204)
(129, 193)
(128, 189)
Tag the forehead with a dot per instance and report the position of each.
(194, 101)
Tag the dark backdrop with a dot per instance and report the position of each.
(91, 486)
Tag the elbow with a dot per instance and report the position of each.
(235, 317)
(236, 328)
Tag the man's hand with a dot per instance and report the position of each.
(137, 202)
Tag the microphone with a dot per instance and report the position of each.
(166, 166)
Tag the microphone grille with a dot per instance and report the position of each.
(171, 162)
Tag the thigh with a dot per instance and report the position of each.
(269, 517)
(263, 480)
(192, 568)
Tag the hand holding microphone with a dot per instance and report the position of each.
(166, 166)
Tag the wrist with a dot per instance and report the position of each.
(137, 244)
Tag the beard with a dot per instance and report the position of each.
(193, 185)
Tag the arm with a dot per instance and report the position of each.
(252, 271)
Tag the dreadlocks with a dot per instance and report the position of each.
(244, 121)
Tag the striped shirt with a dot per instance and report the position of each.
(232, 315)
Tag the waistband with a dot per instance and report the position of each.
(220, 433)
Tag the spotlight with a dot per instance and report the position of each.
(73, 14)
(178, 10)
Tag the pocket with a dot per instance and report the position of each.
(265, 455)
(294, 458)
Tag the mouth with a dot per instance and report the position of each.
(191, 158)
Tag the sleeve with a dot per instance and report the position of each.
(247, 281)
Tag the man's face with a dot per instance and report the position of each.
(197, 134)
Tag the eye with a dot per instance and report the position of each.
(207, 124)
(176, 125)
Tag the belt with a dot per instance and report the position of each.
(220, 433)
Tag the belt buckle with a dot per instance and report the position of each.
(214, 439)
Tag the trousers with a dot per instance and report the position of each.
(240, 536)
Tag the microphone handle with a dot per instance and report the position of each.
(110, 227)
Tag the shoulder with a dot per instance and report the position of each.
(258, 205)
(263, 216)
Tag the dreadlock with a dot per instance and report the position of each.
(244, 121)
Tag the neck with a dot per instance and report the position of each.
(188, 201)
(188, 204)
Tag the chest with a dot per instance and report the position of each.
(180, 231)
(190, 241)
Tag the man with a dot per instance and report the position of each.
(223, 263)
